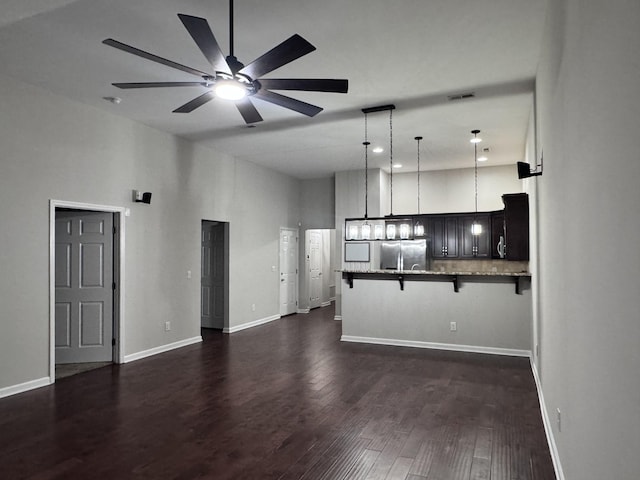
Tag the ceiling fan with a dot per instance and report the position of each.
(233, 80)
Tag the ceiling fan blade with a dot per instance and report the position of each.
(307, 84)
(201, 33)
(288, 102)
(248, 111)
(195, 103)
(292, 48)
(159, 84)
(154, 58)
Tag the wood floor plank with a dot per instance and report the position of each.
(285, 401)
(389, 454)
(399, 469)
(362, 466)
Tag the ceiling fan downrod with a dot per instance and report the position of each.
(231, 29)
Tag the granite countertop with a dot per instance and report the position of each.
(433, 272)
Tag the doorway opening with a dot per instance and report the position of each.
(319, 269)
(85, 287)
(214, 283)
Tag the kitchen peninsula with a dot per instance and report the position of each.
(479, 302)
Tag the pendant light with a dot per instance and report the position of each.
(418, 228)
(476, 228)
(380, 232)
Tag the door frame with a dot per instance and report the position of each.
(118, 276)
(297, 281)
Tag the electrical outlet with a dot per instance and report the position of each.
(453, 326)
(253, 307)
(167, 326)
(559, 419)
(188, 273)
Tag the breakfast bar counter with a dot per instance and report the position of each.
(420, 308)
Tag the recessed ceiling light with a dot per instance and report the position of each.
(483, 159)
(397, 165)
(114, 100)
(475, 140)
(377, 150)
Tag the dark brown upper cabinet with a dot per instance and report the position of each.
(444, 236)
(474, 246)
(516, 225)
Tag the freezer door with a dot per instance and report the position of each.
(414, 255)
(390, 256)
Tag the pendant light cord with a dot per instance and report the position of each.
(475, 153)
(391, 158)
(418, 141)
(366, 169)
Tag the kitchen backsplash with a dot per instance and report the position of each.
(501, 266)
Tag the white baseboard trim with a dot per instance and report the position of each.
(255, 323)
(332, 299)
(338, 318)
(437, 346)
(24, 387)
(161, 349)
(553, 448)
(303, 310)
(325, 304)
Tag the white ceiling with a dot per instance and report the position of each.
(410, 53)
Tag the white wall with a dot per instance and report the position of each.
(589, 235)
(52, 148)
(317, 203)
(446, 191)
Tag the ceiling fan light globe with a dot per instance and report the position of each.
(230, 90)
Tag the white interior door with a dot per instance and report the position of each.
(288, 271)
(83, 286)
(314, 257)
(213, 279)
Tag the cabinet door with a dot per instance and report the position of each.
(437, 237)
(444, 234)
(516, 225)
(470, 245)
(497, 232)
(451, 237)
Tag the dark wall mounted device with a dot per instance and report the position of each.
(142, 197)
(524, 170)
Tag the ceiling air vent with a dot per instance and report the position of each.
(461, 96)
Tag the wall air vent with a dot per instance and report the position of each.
(461, 96)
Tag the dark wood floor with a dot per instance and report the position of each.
(285, 400)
